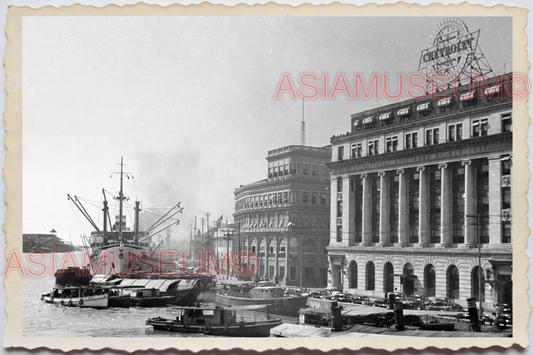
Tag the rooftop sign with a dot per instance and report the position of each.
(452, 54)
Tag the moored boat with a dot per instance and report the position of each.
(150, 297)
(77, 296)
(213, 321)
(244, 293)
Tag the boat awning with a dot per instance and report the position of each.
(106, 280)
(187, 283)
(235, 282)
(315, 311)
(166, 285)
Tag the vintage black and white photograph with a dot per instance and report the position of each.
(284, 177)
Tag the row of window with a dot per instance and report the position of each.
(432, 136)
(309, 247)
(282, 198)
(297, 169)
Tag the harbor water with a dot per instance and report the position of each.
(41, 319)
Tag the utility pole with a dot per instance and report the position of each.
(194, 235)
(208, 214)
(190, 242)
(217, 226)
(202, 223)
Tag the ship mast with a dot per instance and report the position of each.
(120, 199)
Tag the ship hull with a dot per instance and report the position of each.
(284, 306)
(244, 329)
(82, 302)
(120, 260)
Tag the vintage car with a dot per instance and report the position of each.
(444, 306)
(362, 300)
(383, 303)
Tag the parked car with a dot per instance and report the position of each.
(362, 300)
(414, 302)
(504, 308)
(482, 320)
(383, 303)
(332, 289)
(342, 297)
(444, 306)
(443, 299)
(318, 294)
(504, 320)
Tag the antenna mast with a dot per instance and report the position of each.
(302, 133)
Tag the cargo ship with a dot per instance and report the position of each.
(121, 250)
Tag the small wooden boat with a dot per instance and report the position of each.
(245, 293)
(77, 296)
(119, 299)
(213, 321)
(150, 297)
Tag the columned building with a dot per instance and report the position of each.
(284, 219)
(421, 197)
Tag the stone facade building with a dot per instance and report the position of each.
(421, 197)
(284, 219)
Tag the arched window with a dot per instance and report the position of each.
(272, 247)
(293, 246)
(262, 246)
(474, 283)
(452, 282)
(309, 246)
(388, 277)
(353, 274)
(429, 280)
(254, 246)
(370, 276)
(283, 246)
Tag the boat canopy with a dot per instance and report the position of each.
(159, 284)
(235, 282)
(187, 283)
(106, 279)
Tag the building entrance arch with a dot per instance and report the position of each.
(370, 276)
(452, 282)
(429, 280)
(353, 274)
(408, 279)
(388, 277)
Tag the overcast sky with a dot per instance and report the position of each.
(189, 102)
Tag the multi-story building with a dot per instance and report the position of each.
(284, 219)
(421, 197)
